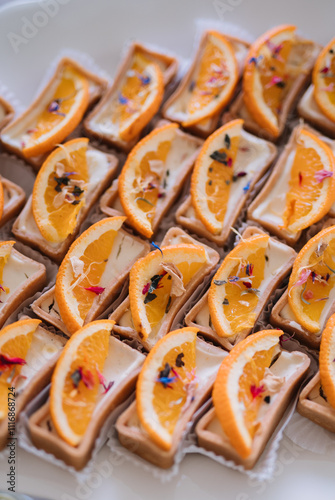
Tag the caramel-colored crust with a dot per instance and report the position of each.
(26, 290)
(186, 81)
(179, 302)
(196, 226)
(171, 67)
(111, 194)
(321, 414)
(99, 85)
(238, 108)
(137, 440)
(57, 253)
(226, 342)
(99, 306)
(9, 110)
(36, 385)
(78, 456)
(13, 207)
(290, 238)
(221, 446)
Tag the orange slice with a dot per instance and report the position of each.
(78, 279)
(237, 393)
(311, 185)
(324, 80)
(326, 361)
(166, 378)
(213, 174)
(215, 80)
(61, 116)
(153, 284)
(233, 294)
(59, 190)
(1, 199)
(266, 78)
(75, 382)
(139, 98)
(141, 182)
(15, 340)
(313, 279)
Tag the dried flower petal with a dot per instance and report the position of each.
(322, 174)
(98, 290)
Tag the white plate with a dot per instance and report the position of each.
(100, 28)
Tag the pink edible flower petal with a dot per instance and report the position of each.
(103, 382)
(274, 80)
(6, 361)
(324, 70)
(304, 275)
(256, 391)
(87, 378)
(320, 175)
(2, 288)
(329, 88)
(146, 288)
(247, 284)
(98, 290)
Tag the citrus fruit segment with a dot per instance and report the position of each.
(139, 98)
(75, 382)
(165, 383)
(326, 361)
(15, 340)
(78, 282)
(141, 182)
(156, 280)
(238, 388)
(214, 81)
(267, 78)
(233, 294)
(213, 174)
(312, 281)
(311, 187)
(59, 190)
(61, 115)
(324, 80)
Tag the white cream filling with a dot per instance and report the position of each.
(98, 166)
(285, 366)
(125, 250)
(207, 362)
(16, 271)
(10, 195)
(278, 254)
(43, 347)
(271, 208)
(312, 110)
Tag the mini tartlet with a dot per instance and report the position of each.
(140, 326)
(208, 86)
(180, 370)
(28, 356)
(278, 67)
(152, 178)
(54, 114)
(228, 167)
(133, 98)
(99, 383)
(254, 386)
(70, 181)
(248, 300)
